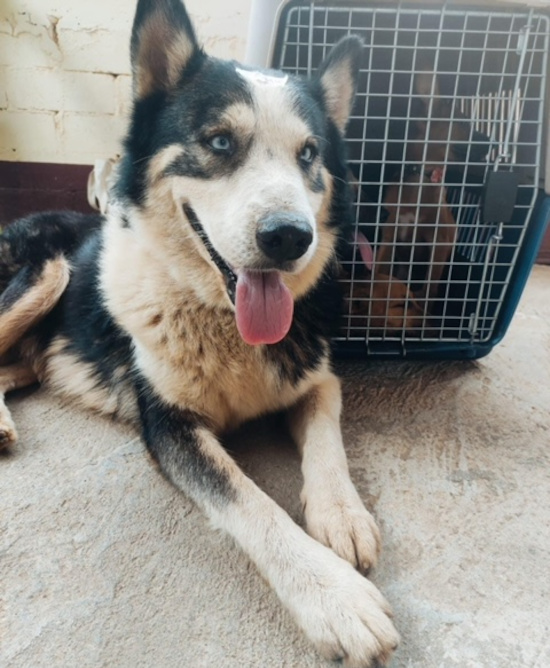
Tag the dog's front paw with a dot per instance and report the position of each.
(8, 434)
(343, 614)
(338, 519)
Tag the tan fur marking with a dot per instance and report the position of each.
(67, 375)
(426, 85)
(163, 159)
(227, 395)
(239, 116)
(34, 304)
(161, 235)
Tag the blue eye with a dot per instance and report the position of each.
(220, 143)
(308, 153)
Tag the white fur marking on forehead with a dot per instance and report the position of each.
(263, 79)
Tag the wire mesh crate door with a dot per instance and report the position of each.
(445, 97)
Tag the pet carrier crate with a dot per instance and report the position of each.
(447, 160)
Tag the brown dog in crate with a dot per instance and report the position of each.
(420, 231)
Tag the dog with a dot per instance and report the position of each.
(205, 298)
(420, 231)
(381, 303)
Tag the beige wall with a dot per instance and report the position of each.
(64, 72)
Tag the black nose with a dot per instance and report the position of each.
(283, 237)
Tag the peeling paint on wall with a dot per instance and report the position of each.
(65, 73)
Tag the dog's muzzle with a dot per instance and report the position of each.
(264, 305)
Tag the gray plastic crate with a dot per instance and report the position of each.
(469, 85)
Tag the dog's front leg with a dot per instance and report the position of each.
(341, 612)
(334, 512)
(12, 377)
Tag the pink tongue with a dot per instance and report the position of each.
(264, 307)
(365, 249)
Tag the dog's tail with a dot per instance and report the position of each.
(35, 268)
(29, 296)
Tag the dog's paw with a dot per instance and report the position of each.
(343, 614)
(8, 433)
(338, 519)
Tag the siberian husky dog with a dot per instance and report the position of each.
(206, 297)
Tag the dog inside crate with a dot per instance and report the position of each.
(443, 153)
(432, 153)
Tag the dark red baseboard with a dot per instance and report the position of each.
(26, 187)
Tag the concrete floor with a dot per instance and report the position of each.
(104, 564)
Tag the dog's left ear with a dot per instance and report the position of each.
(163, 44)
(338, 78)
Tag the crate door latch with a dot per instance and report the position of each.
(499, 197)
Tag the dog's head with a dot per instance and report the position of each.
(242, 167)
(440, 132)
(417, 200)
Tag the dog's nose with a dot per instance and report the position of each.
(284, 237)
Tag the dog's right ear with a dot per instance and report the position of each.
(163, 43)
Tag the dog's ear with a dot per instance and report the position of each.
(426, 86)
(163, 43)
(338, 78)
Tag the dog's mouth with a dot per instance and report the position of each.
(264, 306)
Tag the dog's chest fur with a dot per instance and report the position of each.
(195, 358)
(190, 351)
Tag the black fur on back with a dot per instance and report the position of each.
(80, 316)
(30, 241)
